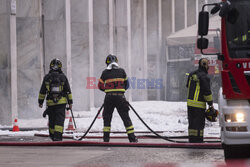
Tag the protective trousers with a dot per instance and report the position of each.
(196, 124)
(56, 121)
(120, 103)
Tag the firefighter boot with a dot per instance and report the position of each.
(57, 136)
(132, 138)
(106, 136)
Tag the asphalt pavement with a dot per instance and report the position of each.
(85, 156)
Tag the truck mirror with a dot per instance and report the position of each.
(202, 43)
(203, 23)
(215, 9)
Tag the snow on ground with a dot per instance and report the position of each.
(159, 115)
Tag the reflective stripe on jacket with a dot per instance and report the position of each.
(66, 96)
(114, 80)
(199, 91)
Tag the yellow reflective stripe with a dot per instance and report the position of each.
(114, 80)
(100, 80)
(47, 85)
(244, 38)
(198, 91)
(41, 96)
(70, 96)
(63, 100)
(201, 132)
(208, 98)
(189, 86)
(195, 94)
(187, 74)
(236, 39)
(198, 104)
(51, 130)
(130, 131)
(195, 78)
(106, 129)
(114, 90)
(58, 128)
(126, 78)
(130, 127)
(192, 132)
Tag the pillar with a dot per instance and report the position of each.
(8, 67)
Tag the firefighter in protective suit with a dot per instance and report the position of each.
(114, 83)
(56, 87)
(199, 93)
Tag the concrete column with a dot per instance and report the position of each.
(138, 48)
(111, 26)
(91, 49)
(185, 14)
(68, 39)
(179, 15)
(197, 10)
(145, 45)
(8, 69)
(173, 16)
(129, 73)
(121, 32)
(101, 43)
(80, 67)
(13, 62)
(29, 58)
(191, 13)
(167, 27)
(55, 32)
(153, 46)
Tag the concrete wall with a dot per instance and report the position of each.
(28, 57)
(80, 53)
(81, 33)
(5, 66)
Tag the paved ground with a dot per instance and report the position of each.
(103, 156)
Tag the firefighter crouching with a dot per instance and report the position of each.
(114, 82)
(199, 93)
(56, 86)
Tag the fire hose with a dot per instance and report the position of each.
(92, 123)
(167, 138)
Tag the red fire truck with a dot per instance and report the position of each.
(234, 97)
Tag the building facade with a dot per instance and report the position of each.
(81, 33)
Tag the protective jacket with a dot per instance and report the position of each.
(64, 95)
(199, 91)
(113, 80)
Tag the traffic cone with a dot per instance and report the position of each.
(70, 125)
(15, 126)
(67, 113)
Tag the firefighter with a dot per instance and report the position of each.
(114, 83)
(55, 87)
(199, 93)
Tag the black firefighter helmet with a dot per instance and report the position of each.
(110, 59)
(55, 65)
(211, 114)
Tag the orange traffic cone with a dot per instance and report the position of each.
(70, 125)
(67, 114)
(15, 126)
